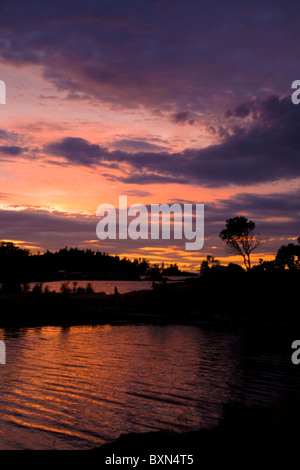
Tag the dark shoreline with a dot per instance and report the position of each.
(253, 430)
(211, 300)
(87, 312)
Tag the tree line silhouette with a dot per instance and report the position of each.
(18, 265)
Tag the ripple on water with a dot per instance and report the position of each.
(78, 387)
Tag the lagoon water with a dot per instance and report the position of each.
(81, 386)
(108, 287)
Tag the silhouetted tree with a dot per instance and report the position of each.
(268, 266)
(155, 272)
(171, 270)
(13, 265)
(10, 249)
(210, 263)
(240, 238)
(235, 268)
(289, 256)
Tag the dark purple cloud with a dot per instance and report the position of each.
(148, 178)
(44, 227)
(137, 145)
(77, 151)
(267, 149)
(11, 150)
(171, 54)
(184, 117)
(241, 111)
(3, 134)
(138, 193)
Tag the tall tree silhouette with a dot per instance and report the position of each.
(239, 236)
(289, 256)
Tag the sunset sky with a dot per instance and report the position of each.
(162, 101)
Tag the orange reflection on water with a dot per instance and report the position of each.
(76, 387)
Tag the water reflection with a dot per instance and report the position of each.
(77, 387)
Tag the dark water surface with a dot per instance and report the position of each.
(81, 386)
(108, 287)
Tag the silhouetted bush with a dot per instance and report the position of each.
(37, 288)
